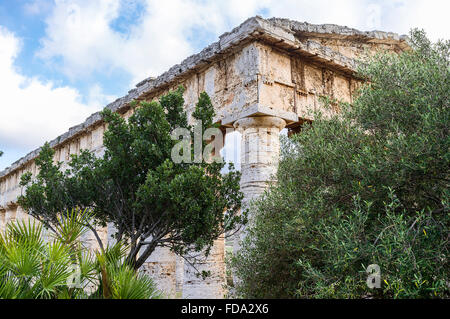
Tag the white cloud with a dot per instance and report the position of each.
(81, 34)
(32, 111)
(387, 15)
(80, 31)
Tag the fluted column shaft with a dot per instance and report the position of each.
(260, 152)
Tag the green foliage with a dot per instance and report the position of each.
(136, 186)
(366, 186)
(32, 267)
(118, 278)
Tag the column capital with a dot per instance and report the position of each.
(259, 121)
(256, 110)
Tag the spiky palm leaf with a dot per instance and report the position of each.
(126, 283)
(30, 267)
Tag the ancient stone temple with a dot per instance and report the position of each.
(263, 74)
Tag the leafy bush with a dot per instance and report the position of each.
(366, 186)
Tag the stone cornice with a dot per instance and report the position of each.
(282, 33)
(333, 31)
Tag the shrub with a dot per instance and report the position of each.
(366, 186)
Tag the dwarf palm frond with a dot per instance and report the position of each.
(21, 248)
(118, 278)
(125, 283)
(61, 267)
(8, 287)
(25, 231)
(72, 225)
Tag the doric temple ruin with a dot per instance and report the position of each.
(265, 73)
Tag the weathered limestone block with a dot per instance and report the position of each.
(161, 266)
(111, 230)
(11, 191)
(21, 215)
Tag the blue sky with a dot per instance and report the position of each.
(62, 60)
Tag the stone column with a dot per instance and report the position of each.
(179, 276)
(260, 151)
